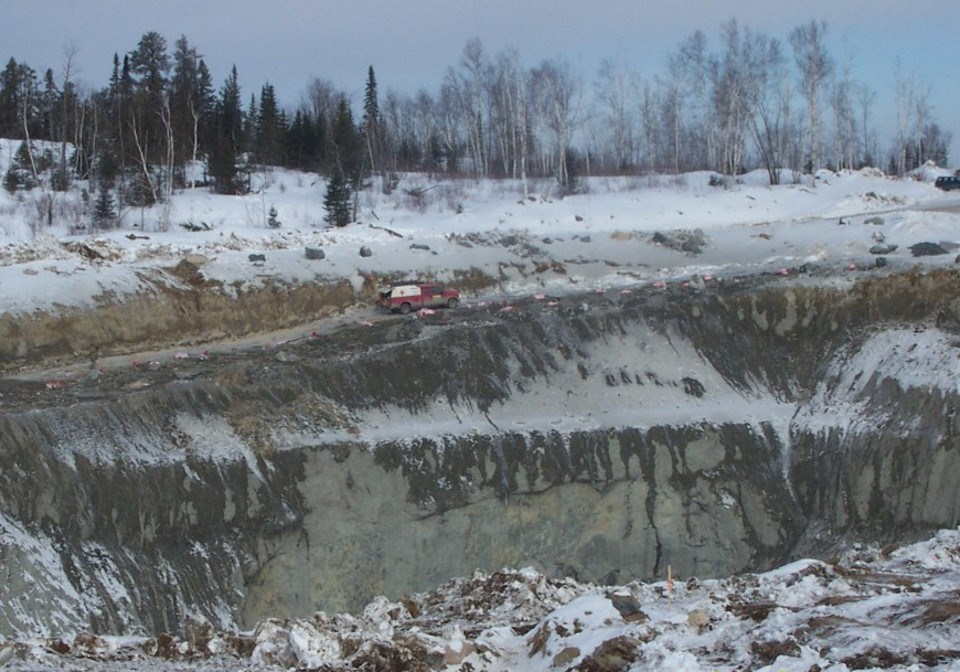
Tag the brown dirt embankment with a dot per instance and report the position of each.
(180, 308)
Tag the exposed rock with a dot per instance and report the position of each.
(314, 253)
(767, 652)
(566, 656)
(690, 242)
(659, 238)
(257, 258)
(455, 655)
(614, 655)
(698, 619)
(927, 249)
(196, 259)
(250, 471)
(628, 606)
(883, 249)
(287, 357)
(365, 251)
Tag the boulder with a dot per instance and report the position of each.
(285, 357)
(314, 253)
(927, 249)
(613, 655)
(628, 606)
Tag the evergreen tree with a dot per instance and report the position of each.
(149, 65)
(18, 95)
(11, 180)
(337, 200)
(20, 174)
(294, 143)
(222, 156)
(49, 100)
(270, 129)
(249, 127)
(222, 165)
(10, 100)
(114, 87)
(348, 153)
(207, 105)
(302, 146)
(371, 108)
(104, 212)
(272, 221)
(186, 105)
(371, 122)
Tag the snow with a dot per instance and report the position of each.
(914, 358)
(867, 610)
(873, 602)
(602, 236)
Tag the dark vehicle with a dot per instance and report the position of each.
(947, 183)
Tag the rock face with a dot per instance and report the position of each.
(714, 429)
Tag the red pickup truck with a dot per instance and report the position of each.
(402, 298)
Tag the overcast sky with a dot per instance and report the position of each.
(411, 43)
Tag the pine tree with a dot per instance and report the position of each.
(104, 213)
(272, 221)
(270, 128)
(337, 200)
(186, 105)
(10, 100)
(149, 65)
(222, 158)
(348, 153)
(19, 175)
(371, 121)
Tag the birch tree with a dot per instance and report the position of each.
(844, 122)
(815, 66)
(465, 91)
(865, 98)
(616, 91)
(558, 96)
(771, 118)
(730, 88)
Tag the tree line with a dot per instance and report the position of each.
(750, 101)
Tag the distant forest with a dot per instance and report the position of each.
(750, 101)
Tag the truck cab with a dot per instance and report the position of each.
(405, 297)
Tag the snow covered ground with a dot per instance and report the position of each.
(619, 231)
(869, 610)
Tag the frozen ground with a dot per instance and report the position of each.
(871, 609)
(620, 231)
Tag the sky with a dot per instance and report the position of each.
(412, 43)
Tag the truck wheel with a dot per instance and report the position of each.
(404, 308)
(453, 303)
